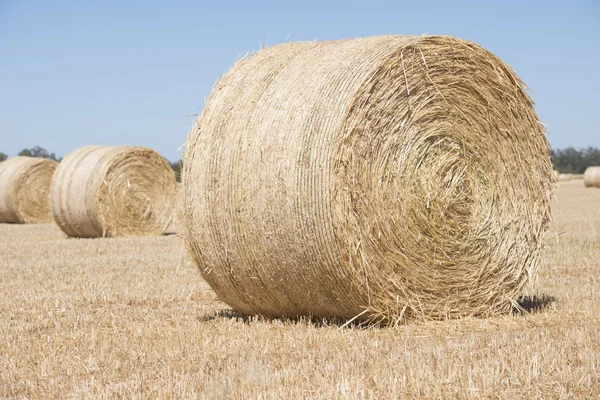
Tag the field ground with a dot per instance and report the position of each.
(106, 318)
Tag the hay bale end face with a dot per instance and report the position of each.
(591, 177)
(24, 187)
(113, 191)
(386, 177)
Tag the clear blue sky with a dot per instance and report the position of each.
(121, 72)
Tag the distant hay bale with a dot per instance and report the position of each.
(113, 191)
(385, 178)
(24, 186)
(591, 177)
(556, 175)
(564, 177)
(175, 225)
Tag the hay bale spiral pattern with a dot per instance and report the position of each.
(387, 177)
(24, 186)
(113, 191)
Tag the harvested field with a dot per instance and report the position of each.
(127, 317)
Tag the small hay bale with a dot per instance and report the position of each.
(24, 186)
(386, 178)
(111, 191)
(564, 177)
(556, 175)
(591, 177)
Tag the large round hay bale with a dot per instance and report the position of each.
(591, 177)
(24, 186)
(113, 191)
(384, 177)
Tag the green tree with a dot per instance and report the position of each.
(575, 161)
(3, 156)
(38, 151)
(177, 165)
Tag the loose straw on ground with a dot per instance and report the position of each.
(386, 178)
(24, 186)
(113, 191)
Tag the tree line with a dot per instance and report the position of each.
(575, 161)
(567, 161)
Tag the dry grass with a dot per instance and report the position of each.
(124, 317)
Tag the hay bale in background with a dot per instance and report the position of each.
(556, 175)
(113, 191)
(564, 177)
(24, 186)
(175, 226)
(385, 177)
(591, 178)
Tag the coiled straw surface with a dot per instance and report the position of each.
(386, 178)
(24, 186)
(591, 177)
(113, 191)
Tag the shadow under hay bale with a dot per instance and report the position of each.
(111, 191)
(384, 178)
(534, 304)
(305, 319)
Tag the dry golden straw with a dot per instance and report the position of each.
(113, 191)
(24, 187)
(591, 178)
(175, 225)
(386, 178)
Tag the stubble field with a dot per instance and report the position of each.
(113, 318)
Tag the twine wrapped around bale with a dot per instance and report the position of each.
(591, 177)
(24, 186)
(113, 191)
(380, 178)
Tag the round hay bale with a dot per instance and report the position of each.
(556, 175)
(564, 177)
(113, 191)
(24, 186)
(591, 177)
(175, 225)
(383, 178)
